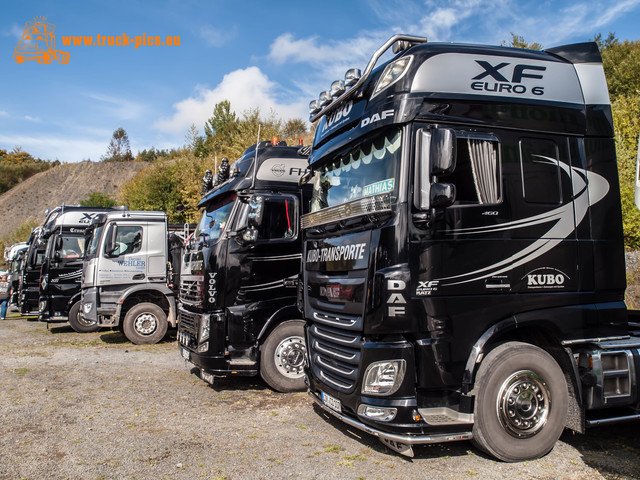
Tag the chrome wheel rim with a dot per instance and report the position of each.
(289, 357)
(146, 323)
(523, 404)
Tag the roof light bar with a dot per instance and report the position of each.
(409, 39)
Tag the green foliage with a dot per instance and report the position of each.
(20, 234)
(151, 155)
(18, 165)
(518, 41)
(621, 62)
(98, 199)
(222, 121)
(118, 149)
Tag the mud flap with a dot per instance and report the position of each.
(402, 448)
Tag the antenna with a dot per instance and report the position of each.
(255, 162)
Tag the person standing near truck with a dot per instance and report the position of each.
(5, 294)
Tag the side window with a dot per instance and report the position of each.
(72, 247)
(477, 173)
(540, 167)
(128, 240)
(279, 219)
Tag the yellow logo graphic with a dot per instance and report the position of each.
(39, 43)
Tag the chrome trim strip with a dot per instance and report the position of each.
(593, 340)
(380, 203)
(367, 71)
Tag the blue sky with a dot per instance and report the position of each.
(272, 55)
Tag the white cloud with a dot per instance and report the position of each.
(245, 88)
(13, 31)
(31, 119)
(71, 149)
(119, 108)
(3, 113)
(215, 37)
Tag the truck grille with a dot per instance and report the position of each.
(187, 321)
(335, 356)
(191, 291)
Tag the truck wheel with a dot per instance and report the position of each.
(521, 403)
(145, 323)
(282, 357)
(78, 323)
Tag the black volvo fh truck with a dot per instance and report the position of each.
(238, 285)
(463, 265)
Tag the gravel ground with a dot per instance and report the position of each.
(94, 406)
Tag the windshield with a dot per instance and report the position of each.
(72, 246)
(214, 219)
(369, 169)
(93, 240)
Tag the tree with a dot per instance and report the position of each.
(222, 119)
(118, 149)
(98, 199)
(294, 127)
(518, 41)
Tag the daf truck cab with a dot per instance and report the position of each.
(29, 292)
(238, 287)
(464, 270)
(130, 274)
(59, 289)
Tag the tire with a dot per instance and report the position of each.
(521, 403)
(78, 323)
(145, 323)
(282, 357)
(18, 58)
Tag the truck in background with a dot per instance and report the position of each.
(59, 292)
(29, 288)
(14, 256)
(464, 269)
(238, 287)
(131, 268)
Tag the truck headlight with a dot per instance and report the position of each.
(86, 307)
(392, 73)
(204, 328)
(383, 378)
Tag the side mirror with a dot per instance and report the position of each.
(256, 206)
(442, 151)
(58, 243)
(110, 244)
(442, 195)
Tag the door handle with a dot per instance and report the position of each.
(138, 276)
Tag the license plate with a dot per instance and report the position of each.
(186, 354)
(332, 402)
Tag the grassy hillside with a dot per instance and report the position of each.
(69, 184)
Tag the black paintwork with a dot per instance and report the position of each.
(247, 289)
(444, 328)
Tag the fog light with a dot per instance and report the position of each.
(337, 88)
(383, 378)
(42, 306)
(86, 308)
(381, 414)
(203, 347)
(352, 76)
(325, 98)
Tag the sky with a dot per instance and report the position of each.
(272, 55)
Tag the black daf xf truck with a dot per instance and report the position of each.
(464, 271)
(237, 308)
(60, 277)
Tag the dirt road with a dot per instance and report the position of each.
(94, 406)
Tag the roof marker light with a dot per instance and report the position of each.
(352, 76)
(337, 88)
(325, 98)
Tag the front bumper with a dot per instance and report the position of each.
(399, 442)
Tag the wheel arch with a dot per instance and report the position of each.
(540, 332)
(288, 312)
(160, 295)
